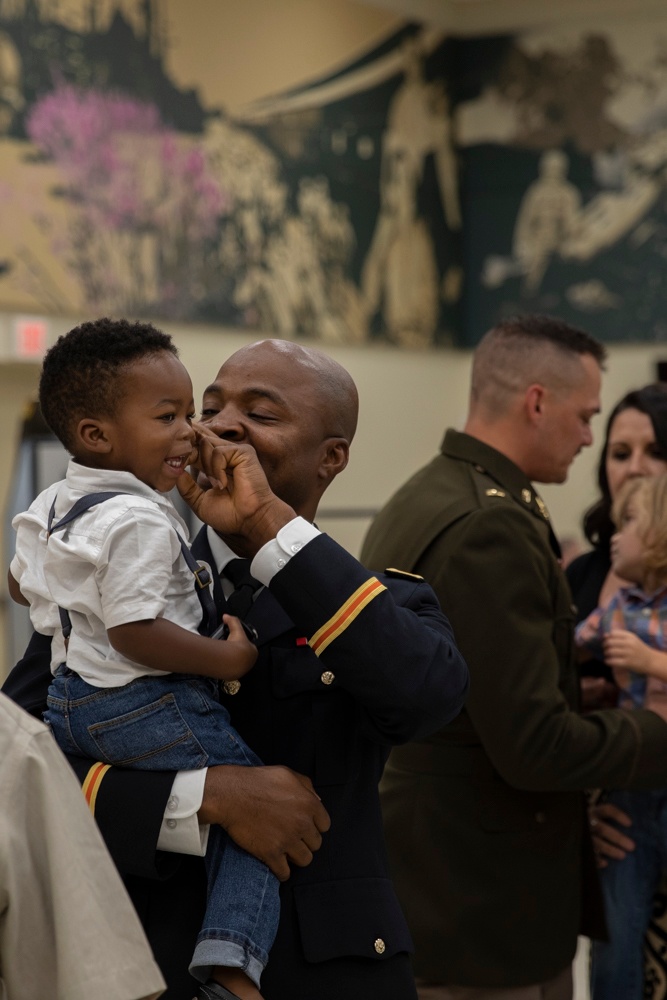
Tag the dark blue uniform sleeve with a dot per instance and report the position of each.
(383, 639)
(128, 805)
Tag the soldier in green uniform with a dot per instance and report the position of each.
(486, 820)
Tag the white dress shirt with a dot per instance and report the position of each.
(181, 833)
(119, 562)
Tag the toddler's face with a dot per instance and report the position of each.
(627, 546)
(152, 434)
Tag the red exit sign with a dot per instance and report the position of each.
(30, 336)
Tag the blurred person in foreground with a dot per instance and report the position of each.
(67, 930)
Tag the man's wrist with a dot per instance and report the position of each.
(276, 553)
(267, 523)
(181, 831)
(219, 779)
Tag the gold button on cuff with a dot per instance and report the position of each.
(231, 687)
(327, 677)
(380, 946)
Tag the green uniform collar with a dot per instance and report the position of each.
(490, 462)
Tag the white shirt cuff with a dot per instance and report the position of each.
(275, 555)
(181, 832)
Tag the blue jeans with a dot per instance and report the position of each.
(176, 723)
(628, 886)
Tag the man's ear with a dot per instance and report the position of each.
(93, 435)
(534, 401)
(336, 456)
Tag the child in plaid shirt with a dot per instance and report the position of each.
(630, 634)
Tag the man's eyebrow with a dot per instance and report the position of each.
(250, 392)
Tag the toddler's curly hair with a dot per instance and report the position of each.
(82, 374)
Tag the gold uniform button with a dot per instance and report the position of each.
(542, 507)
(327, 677)
(231, 687)
(526, 496)
(380, 946)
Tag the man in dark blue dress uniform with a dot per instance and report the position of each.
(350, 663)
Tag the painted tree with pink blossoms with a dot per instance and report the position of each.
(145, 209)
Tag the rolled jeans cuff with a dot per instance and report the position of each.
(211, 953)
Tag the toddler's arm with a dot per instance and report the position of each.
(15, 590)
(589, 633)
(163, 645)
(623, 649)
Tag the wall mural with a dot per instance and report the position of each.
(564, 153)
(331, 212)
(412, 197)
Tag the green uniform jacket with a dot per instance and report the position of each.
(485, 821)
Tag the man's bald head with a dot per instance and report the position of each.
(334, 389)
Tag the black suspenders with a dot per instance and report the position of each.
(201, 575)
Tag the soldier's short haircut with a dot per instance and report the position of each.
(523, 350)
(82, 374)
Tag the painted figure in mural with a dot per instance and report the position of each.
(612, 214)
(419, 114)
(548, 216)
(551, 220)
(400, 273)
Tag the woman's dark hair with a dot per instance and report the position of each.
(651, 400)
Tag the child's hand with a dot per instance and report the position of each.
(625, 649)
(239, 652)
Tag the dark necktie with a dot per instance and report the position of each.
(239, 601)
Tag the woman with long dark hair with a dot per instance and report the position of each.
(635, 444)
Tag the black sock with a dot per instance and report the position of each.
(214, 991)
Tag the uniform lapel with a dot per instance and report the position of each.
(266, 615)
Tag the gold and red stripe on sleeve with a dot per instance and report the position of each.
(345, 615)
(92, 782)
